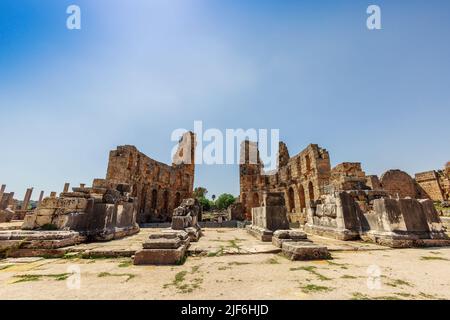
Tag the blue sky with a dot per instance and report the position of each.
(139, 69)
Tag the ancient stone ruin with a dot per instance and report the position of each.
(7, 205)
(236, 212)
(300, 178)
(270, 223)
(160, 188)
(436, 184)
(169, 246)
(102, 212)
(269, 217)
(136, 187)
(12, 209)
(186, 217)
(343, 202)
(373, 216)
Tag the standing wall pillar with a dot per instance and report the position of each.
(26, 200)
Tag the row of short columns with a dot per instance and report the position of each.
(29, 192)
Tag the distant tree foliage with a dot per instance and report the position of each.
(221, 203)
(200, 192)
(224, 201)
(205, 203)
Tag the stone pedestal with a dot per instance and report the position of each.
(186, 217)
(281, 236)
(334, 216)
(305, 251)
(270, 217)
(166, 248)
(404, 223)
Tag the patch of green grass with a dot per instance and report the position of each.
(427, 296)
(237, 263)
(179, 283)
(194, 269)
(387, 298)
(223, 268)
(217, 253)
(312, 270)
(433, 258)
(398, 282)
(72, 255)
(27, 278)
(179, 277)
(311, 288)
(6, 267)
(233, 244)
(37, 277)
(128, 276)
(360, 296)
(404, 294)
(341, 265)
(347, 276)
(272, 261)
(125, 264)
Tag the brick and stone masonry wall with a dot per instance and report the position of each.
(159, 187)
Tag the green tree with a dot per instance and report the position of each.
(205, 203)
(200, 192)
(224, 201)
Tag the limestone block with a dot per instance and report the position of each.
(290, 234)
(170, 234)
(72, 203)
(49, 203)
(160, 256)
(6, 215)
(305, 251)
(180, 222)
(45, 212)
(162, 243)
(29, 222)
(43, 220)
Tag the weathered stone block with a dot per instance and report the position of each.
(305, 251)
(160, 256)
(162, 243)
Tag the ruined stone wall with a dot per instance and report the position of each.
(436, 184)
(159, 188)
(373, 182)
(399, 184)
(8, 201)
(446, 181)
(429, 182)
(348, 176)
(301, 178)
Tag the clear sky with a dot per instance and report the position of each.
(139, 69)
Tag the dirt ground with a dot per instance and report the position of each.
(230, 264)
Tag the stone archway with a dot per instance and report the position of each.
(154, 199)
(311, 191)
(177, 199)
(302, 197)
(255, 200)
(143, 199)
(291, 200)
(166, 202)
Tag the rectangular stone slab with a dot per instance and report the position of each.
(160, 256)
(305, 251)
(162, 243)
(169, 234)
